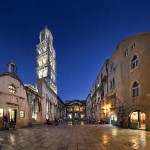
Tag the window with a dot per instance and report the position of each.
(40, 62)
(39, 51)
(132, 46)
(22, 114)
(82, 108)
(76, 108)
(112, 83)
(45, 71)
(12, 88)
(69, 116)
(125, 53)
(135, 89)
(69, 109)
(40, 73)
(82, 116)
(42, 36)
(134, 62)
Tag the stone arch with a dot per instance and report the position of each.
(112, 117)
(134, 108)
(12, 68)
(135, 115)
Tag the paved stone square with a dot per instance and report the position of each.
(76, 137)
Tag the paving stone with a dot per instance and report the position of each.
(91, 148)
(87, 137)
(103, 148)
(81, 147)
(53, 147)
(72, 148)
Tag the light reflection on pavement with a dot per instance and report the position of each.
(75, 137)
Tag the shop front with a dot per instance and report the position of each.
(137, 120)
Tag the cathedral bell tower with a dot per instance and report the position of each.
(46, 63)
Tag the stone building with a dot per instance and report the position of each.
(26, 104)
(46, 59)
(120, 94)
(35, 105)
(89, 107)
(75, 110)
(15, 100)
(46, 77)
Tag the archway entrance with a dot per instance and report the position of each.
(137, 120)
(112, 118)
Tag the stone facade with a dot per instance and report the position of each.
(75, 110)
(26, 104)
(89, 107)
(52, 105)
(35, 105)
(120, 94)
(14, 99)
(46, 63)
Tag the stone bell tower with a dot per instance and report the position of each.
(46, 59)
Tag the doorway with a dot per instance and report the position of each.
(112, 118)
(13, 115)
(137, 120)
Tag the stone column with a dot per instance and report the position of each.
(139, 118)
(50, 110)
(55, 111)
(49, 113)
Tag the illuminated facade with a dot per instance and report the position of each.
(120, 94)
(76, 110)
(46, 64)
(52, 105)
(26, 104)
(16, 100)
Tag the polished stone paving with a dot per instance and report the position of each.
(76, 137)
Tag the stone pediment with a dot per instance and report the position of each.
(75, 102)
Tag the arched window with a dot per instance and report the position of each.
(135, 89)
(134, 62)
(12, 88)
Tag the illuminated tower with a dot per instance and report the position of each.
(46, 63)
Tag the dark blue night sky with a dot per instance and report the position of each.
(85, 33)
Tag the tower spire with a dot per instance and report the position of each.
(46, 63)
